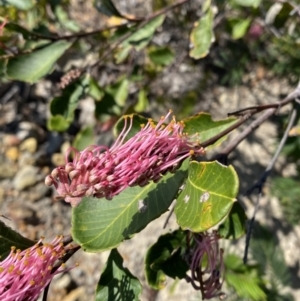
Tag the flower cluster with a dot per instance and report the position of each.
(102, 172)
(207, 266)
(24, 274)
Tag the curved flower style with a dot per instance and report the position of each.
(207, 266)
(102, 172)
(24, 274)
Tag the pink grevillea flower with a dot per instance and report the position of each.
(102, 172)
(207, 266)
(24, 274)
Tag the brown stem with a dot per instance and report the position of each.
(143, 23)
(99, 30)
(247, 113)
(261, 182)
(78, 34)
(146, 20)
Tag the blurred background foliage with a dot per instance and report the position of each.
(115, 53)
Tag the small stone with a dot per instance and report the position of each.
(10, 140)
(25, 128)
(65, 146)
(29, 144)
(12, 153)
(63, 282)
(20, 212)
(25, 159)
(38, 192)
(260, 72)
(7, 170)
(58, 159)
(54, 143)
(77, 294)
(25, 177)
(2, 191)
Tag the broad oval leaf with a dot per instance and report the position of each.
(201, 127)
(19, 29)
(116, 282)
(249, 3)
(142, 37)
(107, 7)
(58, 123)
(19, 4)
(142, 102)
(119, 91)
(239, 27)
(62, 107)
(10, 238)
(98, 224)
(207, 197)
(234, 225)
(165, 257)
(30, 67)
(161, 55)
(202, 35)
(244, 279)
(84, 138)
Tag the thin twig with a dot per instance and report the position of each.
(255, 109)
(168, 217)
(145, 21)
(77, 35)
(142, 24)
(260, 183)
(255, 124)
(106, 28)
(226, 131)
(250, 128)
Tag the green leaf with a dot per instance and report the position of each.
(206, 5)
(30, 67)
(122, 54)
(239, 27)
(202, 127)
(84, 138)
(202, 35)
(161, 55)
(247, 3)
(9, 238)
(288, 191)
(142, 102)
(64, 20)
(235, 224)
(19, 29)
(119, 91)
(244, 279)
(207, 197)
(95, 90)
(58, 123)
(283, 15)
(272, 264)
(106, 108)
(3, 63)
(142, 37)
(98, 224)
(107, 7)
(116, 282)
(165, 257)
(62, 107)
(137, 122)
(19, 4)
